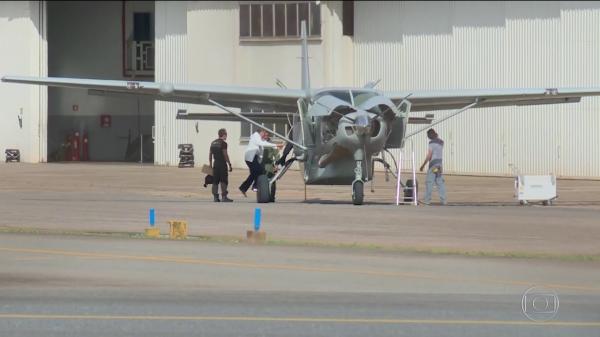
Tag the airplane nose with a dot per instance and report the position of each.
(362, 124)
(362, 121)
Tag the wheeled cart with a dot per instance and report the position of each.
(535, 189)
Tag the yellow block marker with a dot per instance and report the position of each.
(178, 229)
(153, 232)
(256, 237)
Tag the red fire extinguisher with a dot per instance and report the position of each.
(76, 147)
(85, 143)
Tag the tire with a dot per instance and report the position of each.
(263, 195)
(358, 192)
(273, 191)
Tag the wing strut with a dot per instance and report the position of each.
(445, 118)
(256, 124)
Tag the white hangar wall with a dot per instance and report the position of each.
(24, 52)
(455, 45)
(199, 42)
(171, 65)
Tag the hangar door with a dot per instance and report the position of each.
(100, 40)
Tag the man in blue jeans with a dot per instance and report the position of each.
(434, 174)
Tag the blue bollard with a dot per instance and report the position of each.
(256, 219)
(151, 217)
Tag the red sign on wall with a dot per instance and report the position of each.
(105, 121)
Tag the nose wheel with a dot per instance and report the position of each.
(358, 192)
(358, 188)
(263, 193)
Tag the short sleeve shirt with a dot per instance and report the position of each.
(216, 148)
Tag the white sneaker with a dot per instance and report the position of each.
(254, 190)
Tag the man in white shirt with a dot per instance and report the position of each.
(253, 157)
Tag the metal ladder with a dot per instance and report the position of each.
(411, 159)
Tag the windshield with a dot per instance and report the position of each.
(362, 96)
(344, 95)
(359, 96)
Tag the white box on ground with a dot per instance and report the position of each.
(536, 188)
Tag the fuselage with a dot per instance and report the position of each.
(343, 128)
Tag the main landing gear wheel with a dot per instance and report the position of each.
(358, 192)
(263, 195)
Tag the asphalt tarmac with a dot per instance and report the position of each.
(56, 285)
(73, 262)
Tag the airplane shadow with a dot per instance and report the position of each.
(454, 204)
(342, 202)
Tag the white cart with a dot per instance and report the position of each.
(535, 189)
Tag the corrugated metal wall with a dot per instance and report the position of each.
(23, 41)
(456, 45)
(171, 67)
(40, 99)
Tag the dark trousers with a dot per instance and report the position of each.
(255, 170)
(221, 177)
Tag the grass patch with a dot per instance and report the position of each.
(318, 244)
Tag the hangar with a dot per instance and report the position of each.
(407, 45)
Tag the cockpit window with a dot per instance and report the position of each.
(343, 95)
(359, 96)
(362, 96)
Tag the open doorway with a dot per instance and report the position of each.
(102, 40)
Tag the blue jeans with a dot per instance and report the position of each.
(438, 179)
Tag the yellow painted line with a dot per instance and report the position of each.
(300, 320)
(249, 265)
(34, 258)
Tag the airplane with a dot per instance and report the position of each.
(336, 132)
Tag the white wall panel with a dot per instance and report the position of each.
(24, 52)
(172, 67)
(461, 45)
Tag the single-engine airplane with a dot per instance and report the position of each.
(336, 132)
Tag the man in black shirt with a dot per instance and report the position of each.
(218, 150)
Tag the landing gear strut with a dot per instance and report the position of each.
(358, 188)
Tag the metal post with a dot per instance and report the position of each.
(414, 170)
(140, 132)
(305, 191)
(398, 177)
(141, 149)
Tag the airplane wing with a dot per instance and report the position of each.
(456, 99)
(270, 99)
